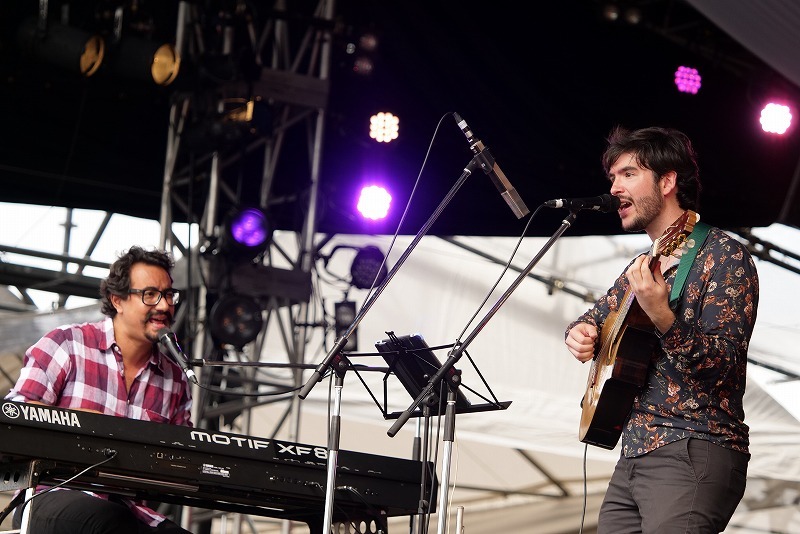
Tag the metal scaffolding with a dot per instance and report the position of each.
(293, 84)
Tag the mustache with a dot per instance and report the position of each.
(160, 315)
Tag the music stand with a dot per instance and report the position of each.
(413, 362)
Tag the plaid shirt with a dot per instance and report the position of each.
(80, 367)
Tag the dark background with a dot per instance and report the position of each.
(541, 84)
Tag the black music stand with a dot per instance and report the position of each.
(414, 363)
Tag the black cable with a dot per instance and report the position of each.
(110, 454)
(585, 488)
(499, 278)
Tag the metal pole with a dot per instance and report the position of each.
(459, 520)
(449, 436)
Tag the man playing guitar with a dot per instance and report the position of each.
(683, 326)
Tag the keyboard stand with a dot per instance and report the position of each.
(21, 476)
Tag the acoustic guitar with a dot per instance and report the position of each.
(619, 368)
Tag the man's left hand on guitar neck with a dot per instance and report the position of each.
(651, 293)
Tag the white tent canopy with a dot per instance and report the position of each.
(522, 469)
(530, 452)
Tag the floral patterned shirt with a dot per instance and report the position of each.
(697, 374)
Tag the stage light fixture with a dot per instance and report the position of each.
(63, 46)
(368, 266)
(611, 12)
(364, 52)
(368, 42)
(344, 314)
(363, 66)
(235, 320)
(374, 202)
(775, 118)
(140, 59)
(245, 232)
(687, 80)
(384, 127)
(633, 16)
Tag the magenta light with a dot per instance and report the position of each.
(687, 80)
(374, 202)
(775, 118)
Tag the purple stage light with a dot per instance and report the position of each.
(687, 80)
(250, 228)
(374, 202)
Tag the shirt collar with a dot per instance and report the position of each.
(108, 341)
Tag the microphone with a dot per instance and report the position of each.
(605, 203)
(489, 165)
(167, 339)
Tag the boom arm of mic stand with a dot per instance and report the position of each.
(318, 373)
(458, 350)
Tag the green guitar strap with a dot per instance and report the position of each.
(698, 236)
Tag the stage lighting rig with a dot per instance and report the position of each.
(235, 320)
(245, 234)
(368, 267)
(63, 46)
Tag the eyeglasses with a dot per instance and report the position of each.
(152, 296)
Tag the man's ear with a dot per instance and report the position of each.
(116, 302)
(669, 182)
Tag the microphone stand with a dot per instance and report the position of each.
(335, 353)
(340, 368)
(421, 454)
(455, 355)
(415, 455)
(449, 437)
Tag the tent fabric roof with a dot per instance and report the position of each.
(528, 453)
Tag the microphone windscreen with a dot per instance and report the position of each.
(163, 333)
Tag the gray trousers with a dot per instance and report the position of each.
(689, 486)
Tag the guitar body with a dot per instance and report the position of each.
(627, 341)
(618, 374)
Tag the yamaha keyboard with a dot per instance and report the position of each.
(206, 469)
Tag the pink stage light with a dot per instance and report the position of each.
(687, 80)
(775, 118)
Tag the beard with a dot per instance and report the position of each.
(647, 209)
(164, 316)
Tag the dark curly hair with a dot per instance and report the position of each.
(118, 281)
(661, 150)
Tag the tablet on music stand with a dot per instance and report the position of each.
(413, 362)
